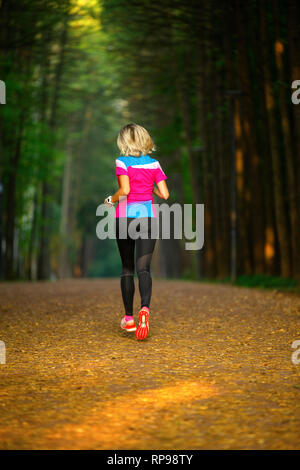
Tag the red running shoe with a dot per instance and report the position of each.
(143, 327)
(128, 325)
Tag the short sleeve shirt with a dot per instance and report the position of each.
(143, 172)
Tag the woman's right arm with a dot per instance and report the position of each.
(123, 190)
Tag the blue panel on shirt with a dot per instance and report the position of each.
(139, 209)
(142, 160)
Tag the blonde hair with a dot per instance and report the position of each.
(135, 140)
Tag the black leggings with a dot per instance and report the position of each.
(146, 228)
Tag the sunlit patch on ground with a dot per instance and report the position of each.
(127, 418)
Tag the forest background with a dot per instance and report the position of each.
(211, 81)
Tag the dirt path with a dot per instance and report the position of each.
(215, 372)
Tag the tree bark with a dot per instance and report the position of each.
(253, 196)
(11, 200)
(44, 267)
(289, 148)
(293, 13)
(280, 209)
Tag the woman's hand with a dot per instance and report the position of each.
(108, 201)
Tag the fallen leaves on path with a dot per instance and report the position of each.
(215, 372)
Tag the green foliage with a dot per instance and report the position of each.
(106, 261)
(266, 282)
(261, 281)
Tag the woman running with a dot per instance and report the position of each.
(136, 224)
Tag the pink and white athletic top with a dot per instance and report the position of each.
(143, 172)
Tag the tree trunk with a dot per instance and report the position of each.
(289, 148)
(65, 267)
(293, 13)
(32, 241)
(203, 95)
(11, 202)
(44, 267)
(280, 209)
(253, 196)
